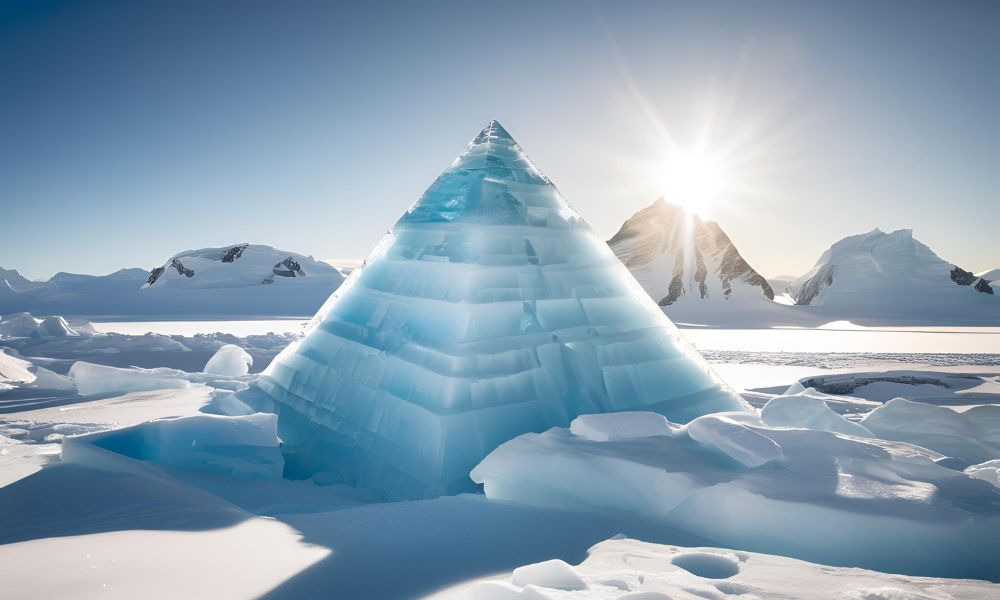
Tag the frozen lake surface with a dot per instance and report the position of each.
(195, 327)
(846, 337)
(837, 337)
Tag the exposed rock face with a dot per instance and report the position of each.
(673, 253)
(154, 275)
(963, 277)
(808, 291)
(233, 253)
(180, 268)
(288, 268)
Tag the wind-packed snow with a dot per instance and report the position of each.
(808, 409)
(739, 483)
(973, 435)
(19, 373)
(627, 569)
(745, 445)
(625, 425)
(489, 310)
(229, 360)
(553, 574)
(987, 471)
(14, 371)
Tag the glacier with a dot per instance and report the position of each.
(489, 310)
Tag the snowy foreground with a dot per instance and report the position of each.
(124, 482)
(628, 569)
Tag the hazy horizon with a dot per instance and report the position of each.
(136, 131)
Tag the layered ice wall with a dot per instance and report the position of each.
(488, 311)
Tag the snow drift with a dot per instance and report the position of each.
(815, 495)
(627, 569)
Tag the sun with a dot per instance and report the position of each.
(694, 179)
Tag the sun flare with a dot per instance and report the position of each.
(693, 179)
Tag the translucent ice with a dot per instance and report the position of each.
(621, 426)
(745, 445)
(243, 447)
(488, 311)
(101, 379)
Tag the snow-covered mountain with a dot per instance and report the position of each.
(12, 278)
(679, 258)
(240, 265)
(242, 279)
(878, 273)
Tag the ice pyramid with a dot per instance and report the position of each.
(488, 311)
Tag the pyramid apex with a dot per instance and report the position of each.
(493, 131)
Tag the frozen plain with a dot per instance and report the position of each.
(265, 536)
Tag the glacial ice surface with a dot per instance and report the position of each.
(100, 379)
(488, 311)
(814, 495)
(244, 447)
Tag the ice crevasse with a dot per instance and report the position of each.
(489, 310)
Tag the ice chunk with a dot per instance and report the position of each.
(987, 471)
(835, 499)
(621, 426)
(229, 360)
(55, 327)
(489, 310)
(99, 379)
(741, 443)
(554, 574)
(14, 371)
(18, 325)
(808, 409)
(938, 428)
(244, 447)
(17, 372)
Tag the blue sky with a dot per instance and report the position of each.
(130, 131)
